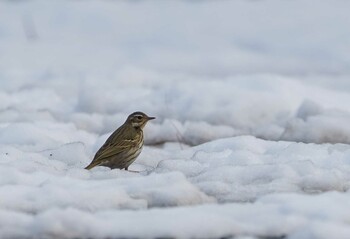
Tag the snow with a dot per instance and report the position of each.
(299, 216)
(252, 136)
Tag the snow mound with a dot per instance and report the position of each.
(314, 124)
(34, 182)
(244, 168)
(27, 194)
(274, 216)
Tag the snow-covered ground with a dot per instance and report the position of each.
(252, 130)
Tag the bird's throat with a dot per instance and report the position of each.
(137, 128)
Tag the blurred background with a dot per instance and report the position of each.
(277, 70)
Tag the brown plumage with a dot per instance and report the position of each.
(124, 145)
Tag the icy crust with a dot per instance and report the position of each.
(274, 216)
(239, 169)
(31, 183)
(243, 168)
(49, 194)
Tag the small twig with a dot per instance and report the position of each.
(178, 134)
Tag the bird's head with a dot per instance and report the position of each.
(138, 119)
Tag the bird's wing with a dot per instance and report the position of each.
(109, 149)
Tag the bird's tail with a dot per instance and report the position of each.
(90, 166)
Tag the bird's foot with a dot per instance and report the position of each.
(132, 171)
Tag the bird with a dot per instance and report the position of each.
(124, 145)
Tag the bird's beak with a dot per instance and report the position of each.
(150, 118)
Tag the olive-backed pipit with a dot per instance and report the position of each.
(124, 145)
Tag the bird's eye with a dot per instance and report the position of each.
(139, 117)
